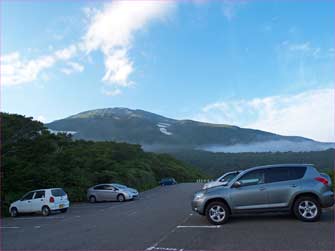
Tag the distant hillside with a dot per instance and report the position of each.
(33, 158)
(215, 164)
(158, 133)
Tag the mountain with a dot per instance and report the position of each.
(158, 133)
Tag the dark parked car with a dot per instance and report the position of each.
(167, 181)
(296, 188)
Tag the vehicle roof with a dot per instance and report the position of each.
(112, 184)
(279, 165)
(45, 189)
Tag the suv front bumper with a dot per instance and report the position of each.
(198, 206)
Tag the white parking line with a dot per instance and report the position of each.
(162, 248)
(89, 207)
(37, 226)
(203, 226)
(32, 218)
(8, 227)
(164, 237)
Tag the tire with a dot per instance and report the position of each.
(121, 198)
(14, 212)
(307, 208)
(92, 199)
(46, 211)
(63, 210)
(217, 213)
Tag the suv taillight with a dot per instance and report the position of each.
(52, 199)
(322, 180)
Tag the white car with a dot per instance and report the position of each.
(41, 201)
(222, 180)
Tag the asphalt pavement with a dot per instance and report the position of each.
(162, 220)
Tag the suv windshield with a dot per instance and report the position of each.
(229, 177)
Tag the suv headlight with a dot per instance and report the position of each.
(199, 195)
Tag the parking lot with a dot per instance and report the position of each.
(162, 220)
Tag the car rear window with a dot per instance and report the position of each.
(58, 192)
(297, 172)
(277, 174)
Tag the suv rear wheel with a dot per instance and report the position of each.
(217, 213)
(307, 208)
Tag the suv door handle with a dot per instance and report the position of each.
(293, 185)
(261, 188)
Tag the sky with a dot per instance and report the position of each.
(266, 65)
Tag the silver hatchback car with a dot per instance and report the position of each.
(296, 188)
(111, 192)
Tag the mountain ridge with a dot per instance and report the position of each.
(156, 132)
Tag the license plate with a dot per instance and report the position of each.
(61, 206)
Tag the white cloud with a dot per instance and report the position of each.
(112, 31)
(15, 70)
(309, 114)
(66, 53)
(72, 67)
(41, 118)
(118, 67)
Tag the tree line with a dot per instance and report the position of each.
(215, 164)
(34, 158)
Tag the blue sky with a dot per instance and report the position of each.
(261, 64)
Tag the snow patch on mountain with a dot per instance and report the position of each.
(163, 128)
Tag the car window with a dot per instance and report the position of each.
(58, 192)
(99, 187)
(277, 174)
(39, 194)
(28, 196)
(109, 187)
(252, 178)
(297, 172)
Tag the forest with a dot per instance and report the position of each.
(215, 164)
(34, 158)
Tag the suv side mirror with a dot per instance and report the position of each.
(237, 184)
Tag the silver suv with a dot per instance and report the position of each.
(296, 188)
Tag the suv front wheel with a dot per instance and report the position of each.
(307, 209)
(217, 213)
